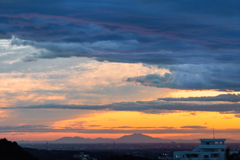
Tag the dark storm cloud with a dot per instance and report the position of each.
(158, 32)
(143, 106)
(199, 77)
(221, 97)
(171, 34)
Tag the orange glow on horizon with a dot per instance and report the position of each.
(53, 136)
(133, 120)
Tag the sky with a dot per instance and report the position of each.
(108, 68)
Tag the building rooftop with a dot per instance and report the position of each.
(212, 140)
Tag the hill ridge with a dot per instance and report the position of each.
(133, 138)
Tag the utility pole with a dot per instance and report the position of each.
(114, 145)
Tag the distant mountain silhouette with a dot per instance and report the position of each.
(81, 140)
(139, 138)
(12, 151)
(134, 138)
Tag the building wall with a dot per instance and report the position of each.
(209, 149)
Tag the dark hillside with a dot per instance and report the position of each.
(12, 151)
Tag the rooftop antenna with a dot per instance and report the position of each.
(114, 145)
(213, 133)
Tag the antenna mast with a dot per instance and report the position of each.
(213, 133)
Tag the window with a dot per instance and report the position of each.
(195, 155)
(178, 156)
(207, 143)
(214, 156)
(192, 155)
(206, 156)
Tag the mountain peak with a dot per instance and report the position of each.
(137, 134)
(137, 138)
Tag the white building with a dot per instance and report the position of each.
(209, 149)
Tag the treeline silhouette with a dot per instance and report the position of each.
(12, 151)
(234, 156)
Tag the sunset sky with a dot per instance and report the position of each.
(108, 68)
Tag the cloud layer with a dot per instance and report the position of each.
(143, 106)
(160, 46)
(184, 129)
(154, 32)
(203, 42)
(199, 77)
(221, 97)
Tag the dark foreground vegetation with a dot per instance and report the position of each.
(128, 154)
(234, 156)
(98, 154)
(12, 151)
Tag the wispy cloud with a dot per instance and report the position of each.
(39, 128)
(221, 97)
(193, 127)
(142, 106)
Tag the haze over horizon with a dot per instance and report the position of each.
(131, 138)
(108, 68)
